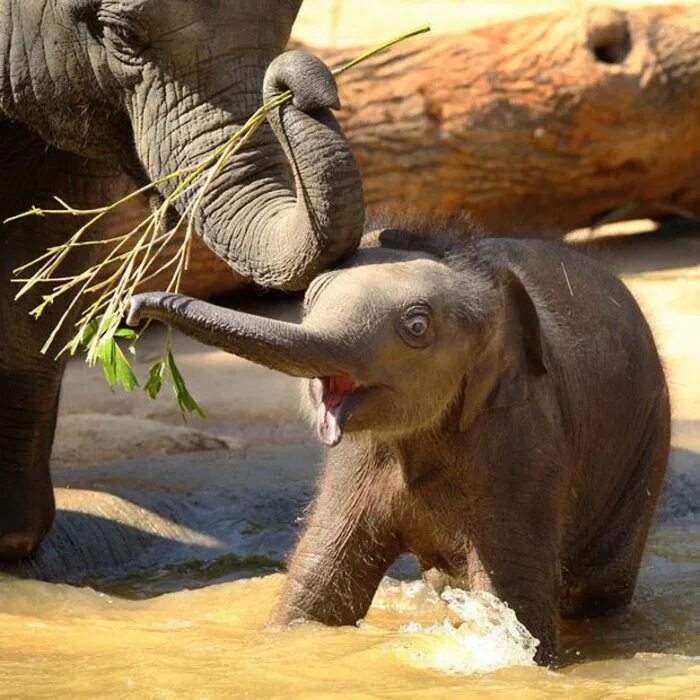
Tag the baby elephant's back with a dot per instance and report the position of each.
(603, 368)
(594, 332)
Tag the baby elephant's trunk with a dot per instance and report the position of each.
(286, 347)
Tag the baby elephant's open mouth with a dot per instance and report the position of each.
(339, 394)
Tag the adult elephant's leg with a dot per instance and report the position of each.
(30, 381)
(29, 390)
(347, 546)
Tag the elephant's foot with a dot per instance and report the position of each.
(26, 509)
(22, 542)
(19, 545)
(25, 520)
(27, 420)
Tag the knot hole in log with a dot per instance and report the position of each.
(609, 37)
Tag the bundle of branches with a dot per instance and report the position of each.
(133, 258)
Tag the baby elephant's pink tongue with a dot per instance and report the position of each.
(330, 408)
(328, 424)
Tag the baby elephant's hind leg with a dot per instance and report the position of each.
(602, 578)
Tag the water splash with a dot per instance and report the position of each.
(478, 632)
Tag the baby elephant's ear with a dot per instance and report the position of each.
(513, 360)
(523, 345)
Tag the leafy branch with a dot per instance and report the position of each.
(133, 258)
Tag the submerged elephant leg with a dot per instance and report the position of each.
(527, 579)
(527, 583)
(439, 580)
(334, 572)
(513, 549)
(347, 547)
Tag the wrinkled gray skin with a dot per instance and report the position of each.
(499, 410)
(93, 90)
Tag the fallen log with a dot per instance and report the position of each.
(535, 126)
(544, 124)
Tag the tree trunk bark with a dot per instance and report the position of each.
(535, 126)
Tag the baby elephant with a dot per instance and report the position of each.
(496, 407)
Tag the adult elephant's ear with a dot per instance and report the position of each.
(514, 358)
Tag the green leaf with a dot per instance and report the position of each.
(128, 333)
(156, 379)
(106, 356)
(89, 332)
(184, 398)
(125, 375)
(115, 366)
(97, 337)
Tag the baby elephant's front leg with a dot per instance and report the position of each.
(342, 556)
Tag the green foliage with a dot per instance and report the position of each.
(115, 366)
(156, 379)
(118, 371)
(184, 398)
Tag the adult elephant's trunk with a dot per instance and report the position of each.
(285, 347)
(277, 215)
(158, 86)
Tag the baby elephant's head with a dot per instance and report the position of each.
(388, 343)
(403, 326)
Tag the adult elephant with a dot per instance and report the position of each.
(93, 92)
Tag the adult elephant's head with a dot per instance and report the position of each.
(159, 84)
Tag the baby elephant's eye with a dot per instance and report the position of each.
(418, 325)
(415, 327)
